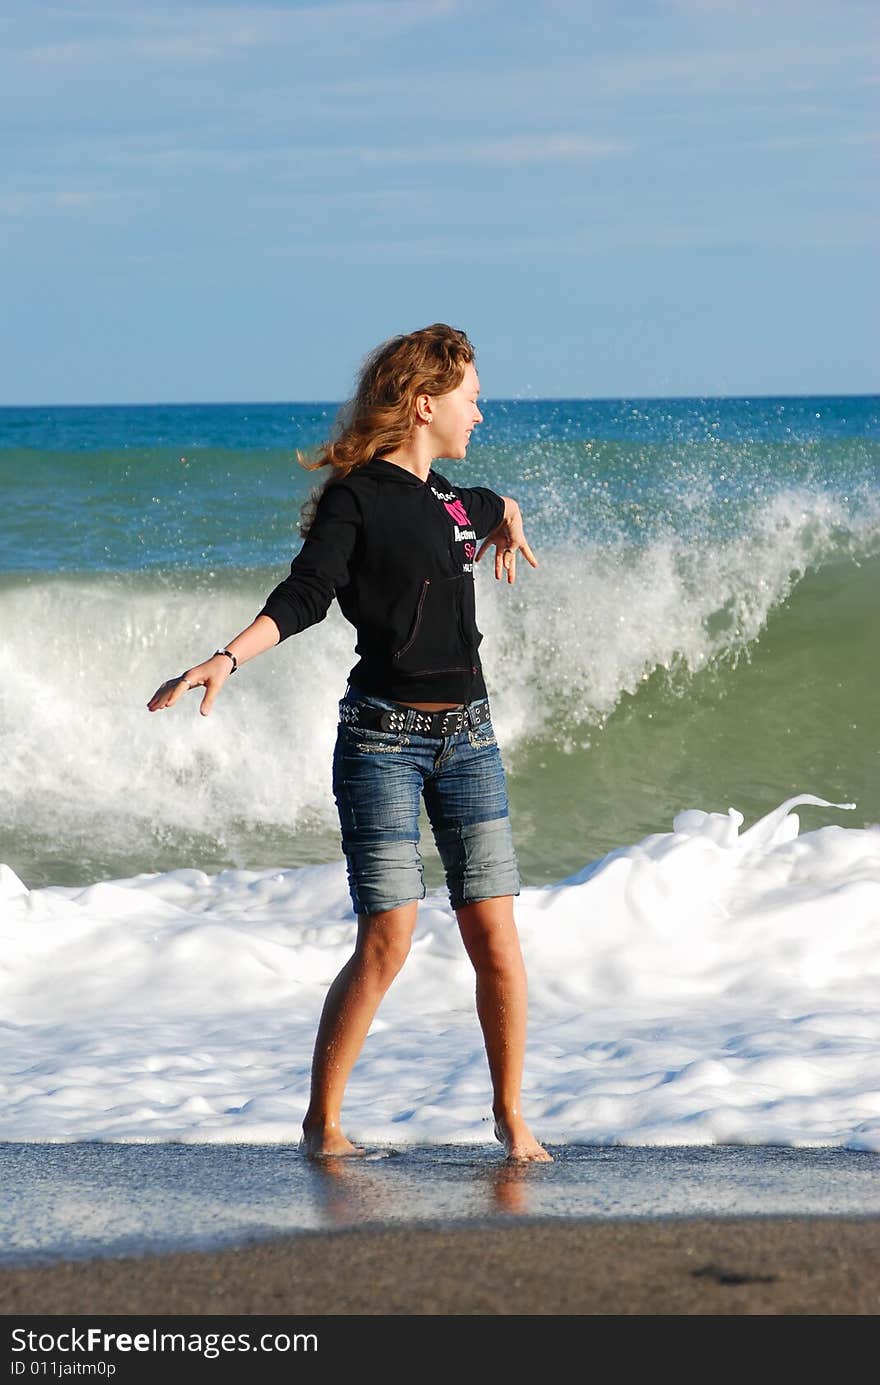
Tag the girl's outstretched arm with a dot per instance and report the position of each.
(259, 636)
(508, 539)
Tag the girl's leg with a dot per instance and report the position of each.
(377, 784)
(382, 946)
(466, 799)
(492, 942)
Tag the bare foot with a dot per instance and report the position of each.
(327, 1141)
(519, 1142)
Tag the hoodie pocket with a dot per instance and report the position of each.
(435, 641)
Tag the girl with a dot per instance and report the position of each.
(395, 542)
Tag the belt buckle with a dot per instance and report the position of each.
(452, 727)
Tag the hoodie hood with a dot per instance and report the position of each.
(384, 470)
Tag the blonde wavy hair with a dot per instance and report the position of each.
(381, 413)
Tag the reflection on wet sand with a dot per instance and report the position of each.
(383, 1188)
(510, 1190)
(350, 1191)
(67, 1201)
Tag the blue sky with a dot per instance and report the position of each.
(207, 201)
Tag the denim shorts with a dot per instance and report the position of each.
(378, 780)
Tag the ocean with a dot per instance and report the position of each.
(695, 658)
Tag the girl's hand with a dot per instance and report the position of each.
(211, 675)
(508, 539)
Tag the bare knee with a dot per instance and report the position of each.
(492, 957)
(384, 957)
(384, 942)
(489, 934)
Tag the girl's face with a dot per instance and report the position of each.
(454, 416)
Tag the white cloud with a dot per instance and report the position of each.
(850, 139)
(289, 158)
(508, 149)
(26, 203)
(199, 34)
(468, 245)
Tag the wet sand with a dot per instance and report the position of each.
(749, 1266)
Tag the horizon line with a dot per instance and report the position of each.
(490, 399)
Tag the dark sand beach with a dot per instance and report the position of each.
(750, 1266)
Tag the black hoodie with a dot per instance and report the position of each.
(398, 554)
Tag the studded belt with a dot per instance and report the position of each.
(448, 723)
